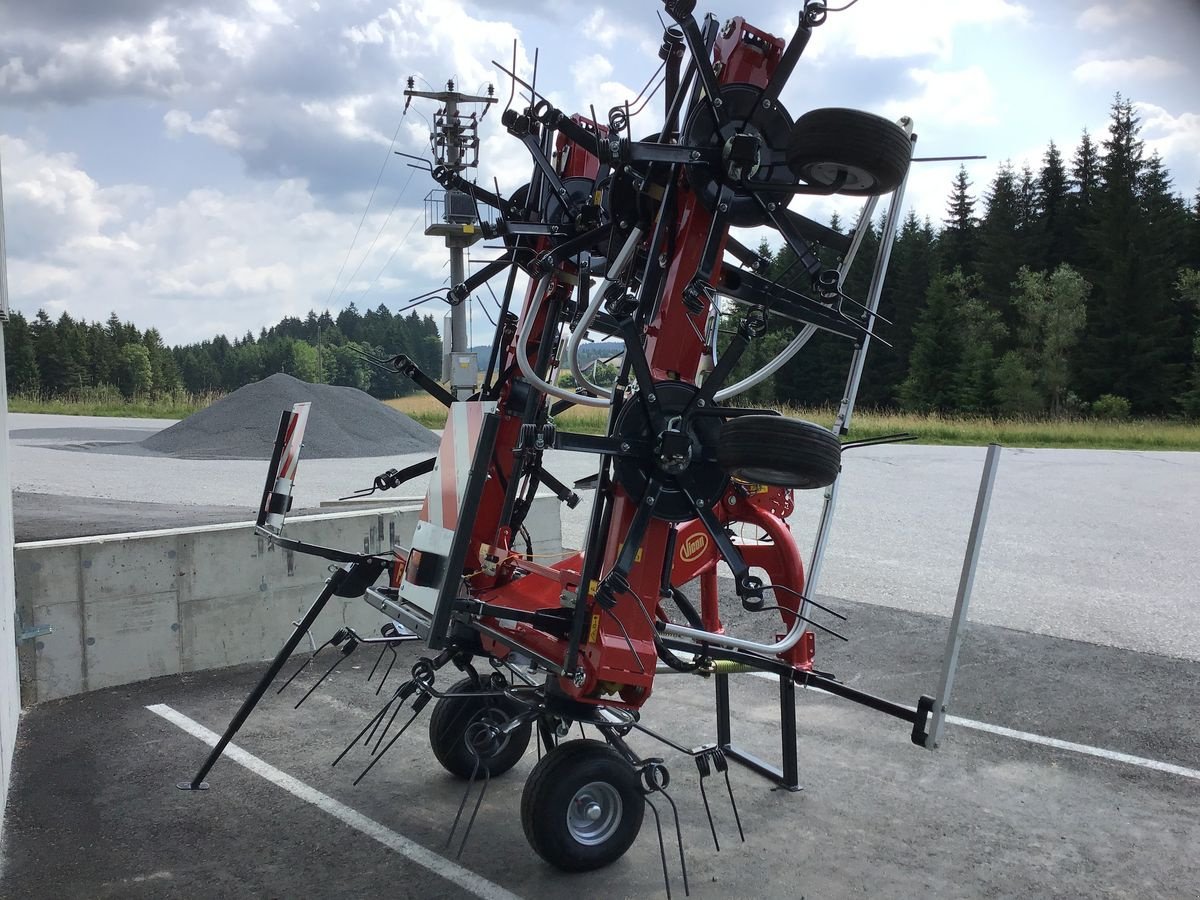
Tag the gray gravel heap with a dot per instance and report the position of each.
(343, 423)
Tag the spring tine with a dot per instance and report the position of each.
(383, 680)
(487, 777)
(358, 737)
(303, 666)
(679, 838)
(387, 728)
(723, 766)
(417, 707)
(462, 805)
(662, 848)
(705, 770)
(378, 660)
(350, 647)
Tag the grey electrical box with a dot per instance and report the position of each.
(460, 208)
(464, 370)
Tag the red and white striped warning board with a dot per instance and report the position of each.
(449, 480)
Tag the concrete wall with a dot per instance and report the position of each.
(130, 607)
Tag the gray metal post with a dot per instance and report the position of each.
(886, 239)
(965, 582)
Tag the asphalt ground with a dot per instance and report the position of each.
(94, 811)
(1084, 629)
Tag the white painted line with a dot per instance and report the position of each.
(1042, 740)
(464, 878)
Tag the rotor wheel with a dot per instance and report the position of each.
(778, 451)
(463, 728)
(582, 806)
(873, 152)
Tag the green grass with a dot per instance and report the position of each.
(1096, 434)
(109, 402)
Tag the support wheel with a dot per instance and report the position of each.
(458, 723)
(779, 451)
(582, 806)
(873, 151)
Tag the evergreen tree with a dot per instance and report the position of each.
(957, 242)
(20, 357)
(937, 354)
(1053, 228)
(1000, 244)
(1188, 288)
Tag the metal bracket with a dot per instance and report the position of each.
(28, 634)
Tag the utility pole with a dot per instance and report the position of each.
(451, 214)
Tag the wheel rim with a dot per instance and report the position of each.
(826, 173)
(594, 813)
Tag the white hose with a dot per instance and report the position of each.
(537, 381)
(577, 336)
(806, 333)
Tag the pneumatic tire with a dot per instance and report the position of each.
(874, 152)
(460, 719)
(582, 806)
(779, 451)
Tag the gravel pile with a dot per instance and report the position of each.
(343, 423)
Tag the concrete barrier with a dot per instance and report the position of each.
(127, 607)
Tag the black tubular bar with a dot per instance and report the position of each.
(285, 652)
(456, 557)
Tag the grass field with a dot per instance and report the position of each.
(101, 402)
(1135, 434)
(1144, 434)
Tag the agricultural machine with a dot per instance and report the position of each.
(627, 239)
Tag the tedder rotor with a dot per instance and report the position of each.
(627, 239)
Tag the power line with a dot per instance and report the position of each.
(387, 219)
(374, 187)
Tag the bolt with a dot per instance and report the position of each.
(699, 504)
(662, 260)
(624, 446)
(628, 170)
(731, 500)
(766, 103)
(723, 207)
(650, 398)
(718, 102)
(579, 678)
(701, 403)
(695, 154)
(593, 812)
(624, 225)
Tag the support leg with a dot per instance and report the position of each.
(251, 701)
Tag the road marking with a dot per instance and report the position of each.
(464, 878)
(1071, 746)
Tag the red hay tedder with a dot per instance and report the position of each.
(627, 240)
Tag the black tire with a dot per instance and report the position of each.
(557, 823)
(873, 151)
(452, 725)
(779, 451)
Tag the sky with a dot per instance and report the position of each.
(210, 166)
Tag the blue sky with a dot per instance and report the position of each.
(202, 166)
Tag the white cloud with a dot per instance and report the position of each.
(215, 125)
(960, 97)
(210, 262)
(893, 30)
(1114, 71)
(1102, 16)
(1175, 138)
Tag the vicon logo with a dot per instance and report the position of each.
(693, 548)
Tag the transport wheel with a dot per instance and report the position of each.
(582, 806)
(459, 722)
(779, 451)
(873, 151)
